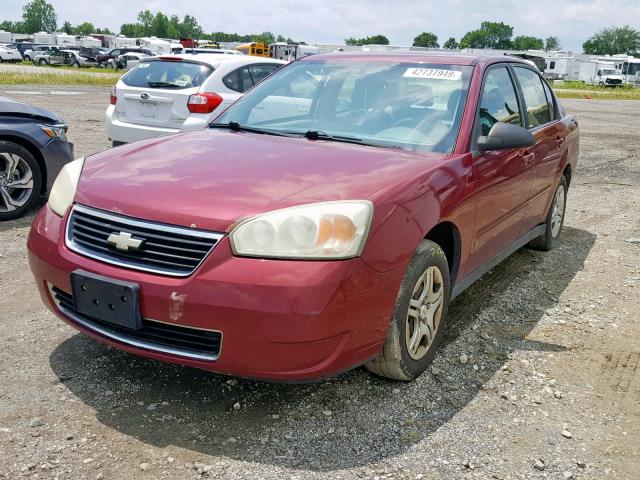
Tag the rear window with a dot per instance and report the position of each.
(167, 74)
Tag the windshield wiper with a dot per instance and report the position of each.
(164, 85)
(235, 126)
(320, 135)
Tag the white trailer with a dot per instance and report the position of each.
(289, 53)
(44, 38)
(630, 67)
(64, 40)
(89, 42)
(155, 44)
(121, 42)
(5, 37)
(556, 66)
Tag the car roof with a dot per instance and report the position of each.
(215, 59)
(417, 56)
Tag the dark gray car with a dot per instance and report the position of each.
(33, 149)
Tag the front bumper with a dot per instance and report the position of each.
(56, 153)
(280, 320)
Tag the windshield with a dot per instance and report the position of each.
(611, 71)
(397, 104)
(167, 74)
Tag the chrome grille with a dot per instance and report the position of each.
(165, 249)
(163, 337)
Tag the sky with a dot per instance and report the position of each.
(317, 21)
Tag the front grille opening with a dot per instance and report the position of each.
(164, 249)
(155, 336)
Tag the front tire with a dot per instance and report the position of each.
(554, 221)
(417, 322)
(20, 180)
(42, 61)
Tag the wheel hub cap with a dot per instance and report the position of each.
(425, 312)
(16, 182)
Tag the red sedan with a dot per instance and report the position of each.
(322, 222)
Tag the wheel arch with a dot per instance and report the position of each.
(33, 150)
(447, 236)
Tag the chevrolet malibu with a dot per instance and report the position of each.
(323, 221)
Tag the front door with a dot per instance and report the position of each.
(502, 177)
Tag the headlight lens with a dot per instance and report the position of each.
(59, 131)
(330, 230)
(64, 188)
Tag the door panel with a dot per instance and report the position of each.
(502, 177)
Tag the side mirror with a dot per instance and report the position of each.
(504, 136)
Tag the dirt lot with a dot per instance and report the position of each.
(551, 388)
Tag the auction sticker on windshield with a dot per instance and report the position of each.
(432, 73)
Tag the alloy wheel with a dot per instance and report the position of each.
(425, 312)
(558, 211)
(16, 182)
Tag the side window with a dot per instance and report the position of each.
(552, 65)
(239, 80)
(260, 72)
(498, 102)
(550, 101)
(538, 111)
(115, 53)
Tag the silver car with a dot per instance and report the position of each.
(71, 58)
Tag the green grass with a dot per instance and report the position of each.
(575, 89)
(78, 80)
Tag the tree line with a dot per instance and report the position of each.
(39, 15)
(499, 36)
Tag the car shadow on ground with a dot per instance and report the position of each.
(353, 420)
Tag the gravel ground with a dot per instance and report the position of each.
(537, 378)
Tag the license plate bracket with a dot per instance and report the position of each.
(106, 299)
(148, 109)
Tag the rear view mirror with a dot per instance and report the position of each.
(504, 136)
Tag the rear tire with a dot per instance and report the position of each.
(20, 168)
(418, 319)
(554, 221)
(42, 61)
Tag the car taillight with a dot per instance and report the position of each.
(113, 96)
(204, 102)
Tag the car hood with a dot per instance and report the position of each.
(211, 179)
(10, 107)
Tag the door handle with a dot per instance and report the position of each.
(559, 142)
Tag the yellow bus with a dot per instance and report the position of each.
(255, 49)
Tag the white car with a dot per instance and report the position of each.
(174, 93)
(9, 53)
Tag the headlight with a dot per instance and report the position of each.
(328, 230)
(59, 131)
(64, 188)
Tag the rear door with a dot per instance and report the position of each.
(543, 120)
(502, 177)
(156, 92)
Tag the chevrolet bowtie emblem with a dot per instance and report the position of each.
(124, 241)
